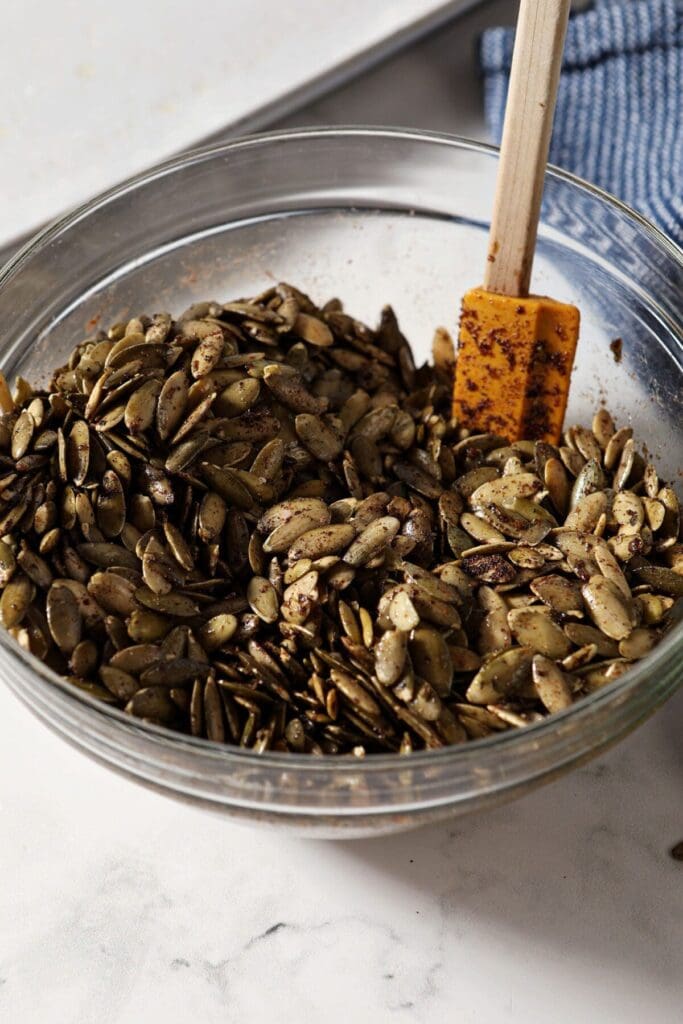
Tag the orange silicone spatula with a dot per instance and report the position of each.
(516, 351)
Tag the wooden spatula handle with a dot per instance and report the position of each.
(534, 78)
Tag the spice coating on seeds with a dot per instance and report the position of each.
(258, 523)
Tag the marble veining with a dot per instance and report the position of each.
(118, 906)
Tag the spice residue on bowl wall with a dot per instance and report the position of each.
(616, 348)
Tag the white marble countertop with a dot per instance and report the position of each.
(118, 906)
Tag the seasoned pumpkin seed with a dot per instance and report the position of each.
(606, 606)
(550, 683)
(258, 523)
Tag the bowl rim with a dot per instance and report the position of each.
(587, 708)
(203, 152)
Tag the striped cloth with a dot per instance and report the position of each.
(619, 117)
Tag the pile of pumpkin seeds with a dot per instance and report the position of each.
(259, 524)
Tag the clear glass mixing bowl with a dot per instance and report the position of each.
(372, 216)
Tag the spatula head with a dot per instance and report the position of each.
(514, 362)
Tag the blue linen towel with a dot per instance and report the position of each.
(619, 117)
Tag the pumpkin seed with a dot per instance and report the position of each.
(559, 593)
(238, 397)
(605, 604)
(15, 601)
(638, 644)
(290, 389)
(431, 658)
(322, 540)
(8, 563)
(22, 434)
(313, 330)
(664, 580)
(498, 675)
(536, 630)
(403, 613)
(504, 489)
(319, 437)
(259, 524)
(207, 354)
(551, 686)
(390, 656)
(372, 540)
(284, 536)
(63, 617)
(263, 599)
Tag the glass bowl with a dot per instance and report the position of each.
(372, 216)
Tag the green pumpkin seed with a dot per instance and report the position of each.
(259, 524)
(63, 618)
